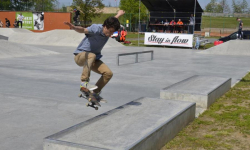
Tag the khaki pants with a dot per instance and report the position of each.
(87, 60)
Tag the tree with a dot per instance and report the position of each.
(244, 6)
(225, 6)
(44, 5)
(89, 8)
(237, 6)
(5, 5)
(20, 5)
(211, 7)
(131, 7)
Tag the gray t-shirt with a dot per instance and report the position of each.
(240, 24)
(94, 41)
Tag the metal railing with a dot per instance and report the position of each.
(135, 53)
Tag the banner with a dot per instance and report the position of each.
(27, 21)
(38, 20)
(168, 39)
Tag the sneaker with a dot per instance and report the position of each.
(88, 86)
(99, 98)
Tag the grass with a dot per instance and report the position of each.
(225, 125)
(134, 35)
(223, 22)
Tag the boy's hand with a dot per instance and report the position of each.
(120, 13)
(69, 24)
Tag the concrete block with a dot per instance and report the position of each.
(203, 90)
(143, 124)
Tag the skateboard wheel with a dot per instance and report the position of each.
(96, 108)
(80, 95)
(87, 104)
(90, 99)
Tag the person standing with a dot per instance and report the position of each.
(20, 19)
(77, 13)
(191, 24)
(240, 28)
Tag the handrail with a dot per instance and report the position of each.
(135, 53)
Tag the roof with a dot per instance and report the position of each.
(169, 5)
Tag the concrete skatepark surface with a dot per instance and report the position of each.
(38, 94)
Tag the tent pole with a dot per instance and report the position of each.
(194, 15)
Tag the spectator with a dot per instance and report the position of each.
(20, 20)
(240, 28)
(77, 13)
(191, 24)
(166, 27)
(15, 24)
(156, 21)
(156, 28)
(7, 22)
(172, 26)
(1, 24)
(180, 27)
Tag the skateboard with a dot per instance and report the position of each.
(92, 98)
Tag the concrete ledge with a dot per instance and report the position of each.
(203, 90)
(143, 124)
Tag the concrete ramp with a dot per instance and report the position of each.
(9, 50)
(57, 37)
(143, 124)
(8, 31)
(233, 47)
(3, 37)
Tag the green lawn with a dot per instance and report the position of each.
(223, 22)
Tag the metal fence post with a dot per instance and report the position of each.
(136, 58)
(117, 60)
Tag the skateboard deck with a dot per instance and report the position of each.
(92, 98)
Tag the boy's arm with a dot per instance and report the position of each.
(77, 28)
(120, 13)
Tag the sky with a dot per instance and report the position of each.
(203, 3)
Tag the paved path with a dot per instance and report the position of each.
(38, 94)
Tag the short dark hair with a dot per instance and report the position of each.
(237, 18)
(112, 22)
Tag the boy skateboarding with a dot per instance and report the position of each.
(88, 52)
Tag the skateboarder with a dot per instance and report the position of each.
(88, 53)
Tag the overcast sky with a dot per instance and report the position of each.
(203, 3)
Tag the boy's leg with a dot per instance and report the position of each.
(101, 68)
(86, 60)
(239, 34)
